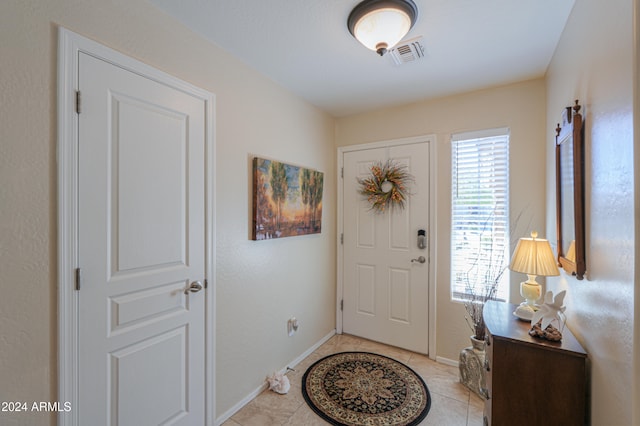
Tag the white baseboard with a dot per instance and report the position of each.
(447, 361)
(237, 407)
(309, 351)
(244, 401)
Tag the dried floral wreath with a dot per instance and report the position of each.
(387, 187)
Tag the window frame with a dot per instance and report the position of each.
(472, 224)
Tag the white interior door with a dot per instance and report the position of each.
(385, 284)
(141, 247)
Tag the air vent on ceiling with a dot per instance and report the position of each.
(408, 51)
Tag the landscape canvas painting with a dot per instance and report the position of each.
(287, 200)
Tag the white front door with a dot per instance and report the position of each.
(385, 272)
(141, 248)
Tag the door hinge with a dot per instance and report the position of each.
(342, 304)
(341, 239)
(77, 279)
(206, 283)
(78, 105)
(342, 172)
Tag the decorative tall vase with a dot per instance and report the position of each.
(471, 366)
(477, 344)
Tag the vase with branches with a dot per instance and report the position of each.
(487, 262)
(478, 293)
(474, 304)
(486, 258)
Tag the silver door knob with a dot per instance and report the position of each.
(195, 287)
(421, 259)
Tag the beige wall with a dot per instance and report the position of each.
(518, 106)
(636, 172)
(259, 284)
(593, 63)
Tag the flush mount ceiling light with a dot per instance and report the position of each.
(381, 24)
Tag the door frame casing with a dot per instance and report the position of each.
(70, 45)
(432, 236)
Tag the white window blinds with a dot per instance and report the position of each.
(480, 214)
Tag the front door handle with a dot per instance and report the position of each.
(421, 259)
(195, 287)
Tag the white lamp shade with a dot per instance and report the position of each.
(382, 28)
(533, 256)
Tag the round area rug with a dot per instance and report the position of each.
(360, 388)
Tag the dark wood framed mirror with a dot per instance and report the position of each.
(570, 192)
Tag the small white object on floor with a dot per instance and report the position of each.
(279, 383)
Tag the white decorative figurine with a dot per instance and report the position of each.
(550, 310)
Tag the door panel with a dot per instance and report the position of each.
(145, 130)
(399, 295)
(139, 308)
(385, 294)
(366, 290)
(147, 392)
(141, 243)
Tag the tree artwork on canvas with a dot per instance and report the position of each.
(287, 200)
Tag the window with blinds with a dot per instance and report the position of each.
(480, 214)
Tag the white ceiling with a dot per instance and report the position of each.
(305, 46)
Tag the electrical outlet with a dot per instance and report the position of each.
(292, 326)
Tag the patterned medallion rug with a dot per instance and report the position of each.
(360, 388)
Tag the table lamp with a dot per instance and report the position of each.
(532, 256)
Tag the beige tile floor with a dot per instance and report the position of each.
(451, 403)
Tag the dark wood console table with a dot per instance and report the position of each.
(531, 381)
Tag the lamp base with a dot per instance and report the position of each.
(530, 290)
